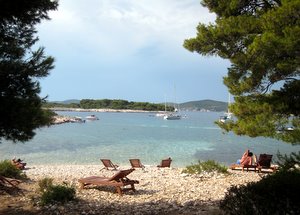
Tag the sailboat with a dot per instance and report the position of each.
(174, 115)
(228, 114)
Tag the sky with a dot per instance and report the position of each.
(131, 50)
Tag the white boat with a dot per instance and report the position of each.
(160, 114)
(92, 117)
(227, 115)
(172, 116)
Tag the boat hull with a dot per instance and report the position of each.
(172, 117)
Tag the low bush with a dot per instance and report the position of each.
(205, 166)
(55, 193)
(58, 193)
(289, 162)
(7, 169)
(45, 184)
(274, 194)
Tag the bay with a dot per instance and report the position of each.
(121, 136)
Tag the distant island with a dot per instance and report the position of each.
(204, 105)
(117, 104)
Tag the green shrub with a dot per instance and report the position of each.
(55, 193)
(277, 193)
(206, 166)
(7, 169)
(291, 162)
(45, 184)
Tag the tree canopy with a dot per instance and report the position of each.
(21, 67)
(261, 39)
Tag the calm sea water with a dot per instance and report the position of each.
(120, 136)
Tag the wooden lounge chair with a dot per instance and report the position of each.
(10, 181)
(118, 180)
(264, 162)
(165, 163)
(108, 164)
(136, 163)
(243, 167)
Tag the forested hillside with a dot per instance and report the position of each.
(108, 104)
(202, 105)
(209, 105)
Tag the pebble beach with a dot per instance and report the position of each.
(160, 190)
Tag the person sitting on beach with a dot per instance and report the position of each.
(246, 158)
(18, 163)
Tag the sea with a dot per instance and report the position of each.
(121, 136)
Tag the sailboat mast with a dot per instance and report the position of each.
(175, 109)
(228, 103)
(165, 103)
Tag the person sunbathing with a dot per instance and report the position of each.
(18, 163)
(246, 158)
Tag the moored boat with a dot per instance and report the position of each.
(172, 116)
(92, 117)
(160, 114)
(228, 115)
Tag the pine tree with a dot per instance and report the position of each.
(21, 67)
(261, 39)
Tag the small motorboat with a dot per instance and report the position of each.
(92, 117)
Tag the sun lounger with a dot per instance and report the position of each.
(118, 181)
(10, 181)
(165, 163)
(243, 167)
(136, 163)
(108, 164)
(264, 162)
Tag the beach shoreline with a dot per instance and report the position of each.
(60, 119)
(160, 190)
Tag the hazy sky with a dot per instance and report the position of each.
(129, 49)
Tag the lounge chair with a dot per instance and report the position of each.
(246, 162)
(136, 163)
(108, 164)
(165, 163)
(264, 162)
(118, 180)
(10, 181)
